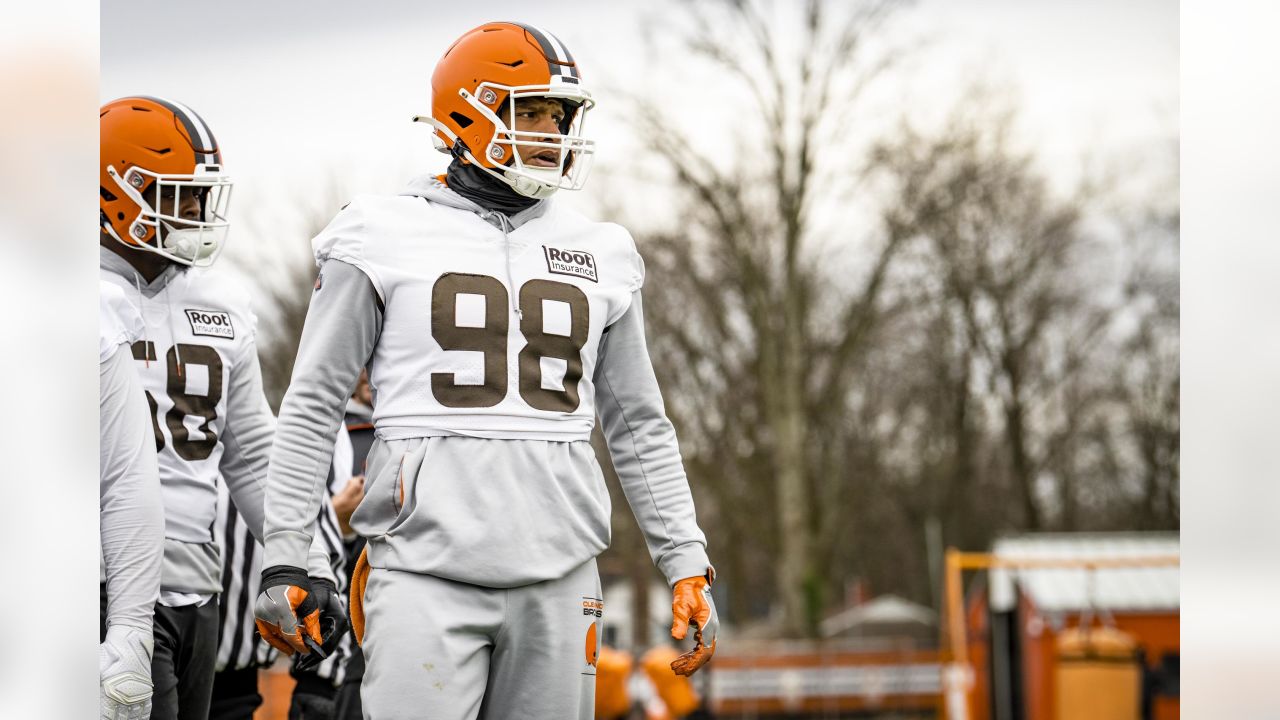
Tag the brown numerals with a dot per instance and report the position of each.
(491, 339)
(204, 406)
(542, 344)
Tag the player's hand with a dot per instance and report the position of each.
(346, 501)
(333, 622)
(287, 612)
(124, 668)
(691, 602)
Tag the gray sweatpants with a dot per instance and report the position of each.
(446, 650)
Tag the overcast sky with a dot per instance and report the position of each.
(297, 90)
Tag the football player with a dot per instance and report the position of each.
(495, 324)
(164, 198)
(132, 516)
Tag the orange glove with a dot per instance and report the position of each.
(287, 612)
(691, 602)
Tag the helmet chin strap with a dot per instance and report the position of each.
(529, 187)
(188, 244)
(544, 187)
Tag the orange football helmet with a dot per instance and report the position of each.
(473, 93)
(154, 153)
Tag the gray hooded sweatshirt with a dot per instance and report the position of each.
(491, 512)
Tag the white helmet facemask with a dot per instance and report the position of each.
(574, 152)
(184, 240)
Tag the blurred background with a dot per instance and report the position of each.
(913, 285)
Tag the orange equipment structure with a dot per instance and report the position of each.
(1098, 676)
(613, 669)
(276, 687)
(1027, 647)
(676, 691)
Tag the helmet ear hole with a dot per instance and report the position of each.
(462, 120)
(570, 112)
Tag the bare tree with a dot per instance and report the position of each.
(756, 350)
(284, 273)
(973, 376)
(1148, 373)
(1016, 292)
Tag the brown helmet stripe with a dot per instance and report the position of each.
(559, 61)
(571, 68)
(207, 152)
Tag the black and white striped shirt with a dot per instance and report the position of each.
(239, 646)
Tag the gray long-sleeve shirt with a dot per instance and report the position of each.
(132, 514)
(488, 511)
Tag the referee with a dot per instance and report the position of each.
(240, 651)
(353, 449)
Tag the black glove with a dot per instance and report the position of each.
(333, 623)
(308, 706)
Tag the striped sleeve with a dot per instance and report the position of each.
(333, 668)
(331, 535)
(238, 644)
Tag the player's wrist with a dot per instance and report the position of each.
(122, 625)
(286, 547)
(122, 633)
(285, 575)
(686, 561)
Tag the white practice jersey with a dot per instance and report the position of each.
(485, 335)
(198, 332)
(492, 343)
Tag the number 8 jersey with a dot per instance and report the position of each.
(197, 362)
(487, 332)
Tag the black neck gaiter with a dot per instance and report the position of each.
(485, 190)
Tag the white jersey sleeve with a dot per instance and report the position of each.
(119, 322)
(344, 239)
(637, 262)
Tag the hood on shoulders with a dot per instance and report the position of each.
(430, 188)
(112, 262)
